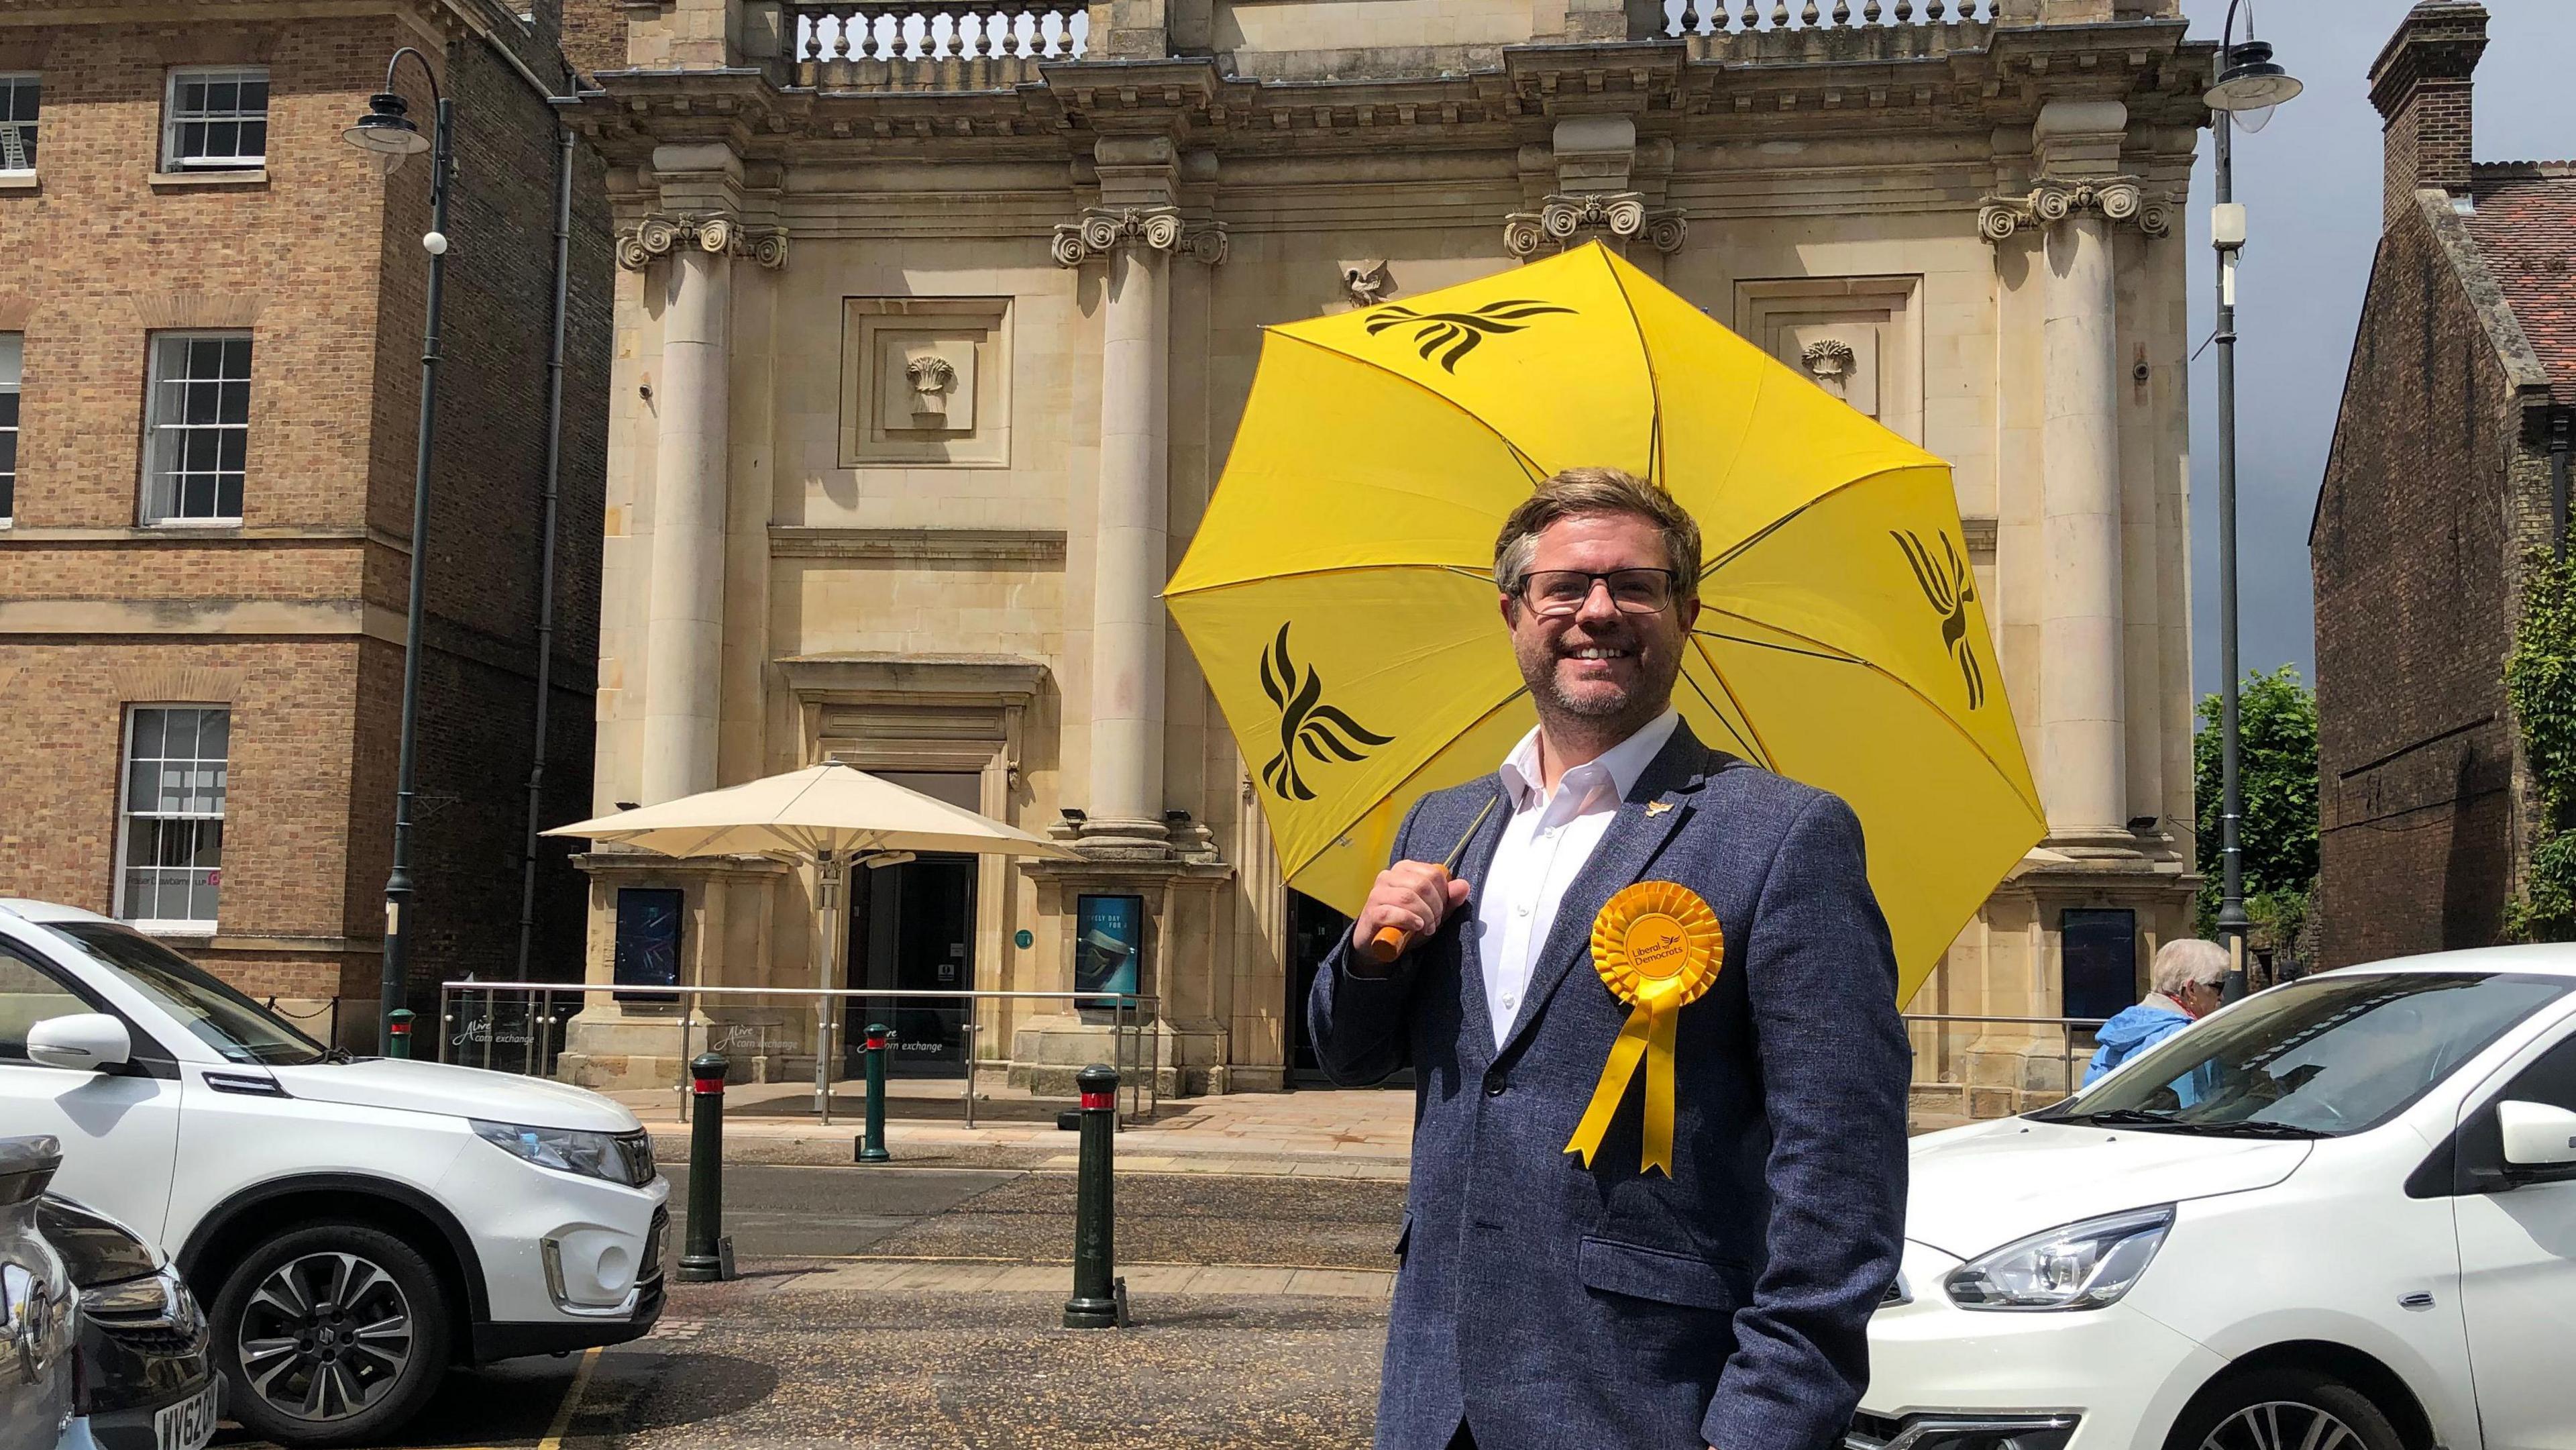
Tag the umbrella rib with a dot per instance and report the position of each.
(1792, 516)
(1389, 793)
(1749, 747)
(1761, 747)
(1528, 464)
(1654, 385)
(1813, 654)
(1893, 678)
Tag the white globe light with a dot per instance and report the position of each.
(434, 243)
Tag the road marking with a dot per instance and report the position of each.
(571, 1402)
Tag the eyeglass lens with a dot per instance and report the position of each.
(1634, 591)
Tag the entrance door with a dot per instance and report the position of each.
(1313, 928)
(912, 928)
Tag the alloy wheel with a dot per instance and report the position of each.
(325, 1336)
(2283, 1425)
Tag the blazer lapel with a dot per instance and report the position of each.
(1629, 845)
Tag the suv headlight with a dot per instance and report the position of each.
(2080, 1266)
(566, 1150)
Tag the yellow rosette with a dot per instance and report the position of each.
(1658, 947)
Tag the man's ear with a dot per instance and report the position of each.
(1505, 601)
(1690, 613)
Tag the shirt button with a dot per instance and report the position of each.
(1510, 1002)
(1521, 910)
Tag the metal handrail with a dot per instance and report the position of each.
(1135, 1070)
(2067, 1027)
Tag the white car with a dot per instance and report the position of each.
(2337, 1215)
(353, 1225)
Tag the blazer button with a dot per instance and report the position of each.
(1494, 1084)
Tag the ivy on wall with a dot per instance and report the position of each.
(2540, 683)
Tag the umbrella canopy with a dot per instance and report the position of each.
(1339, 592)
(807, 813)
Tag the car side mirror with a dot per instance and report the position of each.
(2537, 1135)
(81, 1042)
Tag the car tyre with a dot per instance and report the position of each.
(330, 1334)
(2277, 1409)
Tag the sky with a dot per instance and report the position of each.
(2310, 182)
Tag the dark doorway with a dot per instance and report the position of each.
(2099, 950)
(1313, 930)
(912, 928)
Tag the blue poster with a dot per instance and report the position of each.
(648, 937)
(1109, 937)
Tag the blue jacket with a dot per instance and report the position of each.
(1555, 1307)
(2133, 1031)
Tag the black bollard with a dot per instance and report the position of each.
(1099, 1301)
(872, 1148)
(709, 1256)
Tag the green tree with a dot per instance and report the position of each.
(2540, 681)
(2277, 775)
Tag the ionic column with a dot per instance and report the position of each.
(1130, 548)
(684, 610)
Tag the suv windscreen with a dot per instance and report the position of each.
(222, 1018)
(2317, 1058)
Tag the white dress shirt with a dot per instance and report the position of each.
(1546, 841)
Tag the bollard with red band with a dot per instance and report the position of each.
(872, 1148)
(710, 1254)
(1099, 1299)
(398, 1032)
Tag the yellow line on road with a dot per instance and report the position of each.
(571, 1402)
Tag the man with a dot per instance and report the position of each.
(1543, 1303)
(2185, 983)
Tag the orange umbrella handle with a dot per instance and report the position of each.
(1387, 945)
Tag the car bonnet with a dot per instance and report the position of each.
(1980, 1187)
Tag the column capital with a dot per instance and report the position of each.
(2052, 200)
(722, 233)
(1623, 214)
(1103, 230)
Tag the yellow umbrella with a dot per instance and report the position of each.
(1339, 593)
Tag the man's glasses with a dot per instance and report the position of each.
(1560, 592)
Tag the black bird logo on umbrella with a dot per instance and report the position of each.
(1950, 587)
(1455, 334)
(1305, 722)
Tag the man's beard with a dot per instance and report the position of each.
(1603, 711)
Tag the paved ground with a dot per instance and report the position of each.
(922, 1307)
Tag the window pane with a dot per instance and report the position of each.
(13, 356)
(201, 400)
(254, 139)
(233, 399)
(228, 495)
(222, 96)
(205, 357)
(215, 735)
(148, 732)
(196, 496)
(254, 96)
(27, 997)
(237, 358)
(192, 96)
(229, 457)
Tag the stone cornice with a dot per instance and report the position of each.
(2114, 198)
(1103, 230)
(661, 233)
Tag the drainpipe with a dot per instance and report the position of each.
(2559, 428)
(546, 570)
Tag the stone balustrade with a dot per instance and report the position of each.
(1744, 17)
(830, 36)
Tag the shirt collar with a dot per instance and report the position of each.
(1623, 763)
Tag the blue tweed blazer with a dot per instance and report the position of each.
(1554, 1307)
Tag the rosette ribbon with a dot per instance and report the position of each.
(1658, 947)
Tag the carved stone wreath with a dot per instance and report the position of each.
(2116, 198)
(661, 233)
(1622, 214)
(1828, 359)
(1103, 230)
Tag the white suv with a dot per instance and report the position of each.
(354, 1225)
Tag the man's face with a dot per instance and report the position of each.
(1601, 663)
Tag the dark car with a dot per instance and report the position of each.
(147, 1377)
(37, 1371)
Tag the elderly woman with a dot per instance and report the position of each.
(2187, 977)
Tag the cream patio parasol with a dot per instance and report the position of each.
(828, 815)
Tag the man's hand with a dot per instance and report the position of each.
(1414, 897)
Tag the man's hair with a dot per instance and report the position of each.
(1582, 492)
(2186, 960)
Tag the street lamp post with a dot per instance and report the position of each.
(387, 132)
(2248, 88)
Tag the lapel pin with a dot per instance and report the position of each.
(1657, 808)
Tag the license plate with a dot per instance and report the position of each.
(187, 1425)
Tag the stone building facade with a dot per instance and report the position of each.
(933, 327)
(210, 341)
(2449, 454)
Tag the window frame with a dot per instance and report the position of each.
(9, 81)
(172, 119)
(153, 425)
(162, 926)
(15, 389)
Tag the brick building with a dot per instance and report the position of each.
(210, 331)
(2455, 421)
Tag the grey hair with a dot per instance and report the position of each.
(2186, 960)
(1577, 492)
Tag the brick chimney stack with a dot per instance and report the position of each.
(2420, 83)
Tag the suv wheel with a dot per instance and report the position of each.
(330, 1334)
(2283, 1409)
